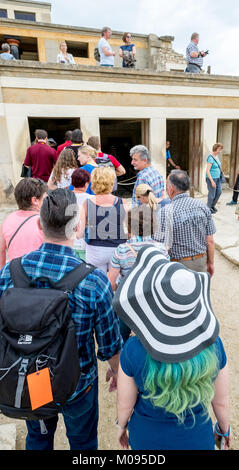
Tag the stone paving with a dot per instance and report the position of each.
(227, 226)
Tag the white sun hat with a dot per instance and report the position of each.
(167, 306)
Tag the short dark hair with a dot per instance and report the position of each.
(79, 178)
(77, 136)
(68, 135)
(41, 134)
(58, 214)
(180, 180)
(94, 141)
(142, 221)
(28, 188)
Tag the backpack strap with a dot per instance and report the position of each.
(71, 280)
(18, 274)
(68, 282)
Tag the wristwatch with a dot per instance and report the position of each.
(118, 425)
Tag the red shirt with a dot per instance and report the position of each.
(62, 146)
(41, 158)
(115, 162)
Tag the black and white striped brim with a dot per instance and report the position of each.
(167, 306)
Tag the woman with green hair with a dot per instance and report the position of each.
(174, 368)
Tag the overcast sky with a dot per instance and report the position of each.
(216, 21)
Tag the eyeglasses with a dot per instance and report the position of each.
(128, 37)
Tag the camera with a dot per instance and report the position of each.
(205, 52)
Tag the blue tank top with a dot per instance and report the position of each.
(105, 224)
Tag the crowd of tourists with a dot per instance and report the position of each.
(144, 306)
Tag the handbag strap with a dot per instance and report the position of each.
(24, 221)
(216, 162)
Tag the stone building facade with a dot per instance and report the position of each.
(40, 39)
(153, 103)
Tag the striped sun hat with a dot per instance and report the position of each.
(167, 306)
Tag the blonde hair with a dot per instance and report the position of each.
(88, 150)
(146, 190)
(62, 42)
(102, 180)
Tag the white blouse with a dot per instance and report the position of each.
(62, 59)
(65, 181)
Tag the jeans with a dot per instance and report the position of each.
(192, 69)
(213, 193)
(81, 421)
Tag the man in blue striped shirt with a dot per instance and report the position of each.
(146, 173)
(194, 57)
(93, 315)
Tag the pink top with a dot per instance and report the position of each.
(28, 238)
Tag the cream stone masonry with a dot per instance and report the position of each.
(41, 10)
(152, 51)
(90, 94)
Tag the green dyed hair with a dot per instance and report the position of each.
(179, 387)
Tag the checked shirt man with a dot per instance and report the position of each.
(190, 222)
(146, 173)
(93, 316)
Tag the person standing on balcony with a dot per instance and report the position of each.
(194, 56)
(128, 52)
(6, 52)
(64, 57)
(105, 50)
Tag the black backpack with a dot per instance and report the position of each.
(96, 54)
(37, 331)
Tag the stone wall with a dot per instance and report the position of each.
(162, 56)
(41, 10)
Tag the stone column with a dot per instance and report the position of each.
(157, 142)
(90, 126)
(18, 136)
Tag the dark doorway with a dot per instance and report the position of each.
(55, 127)
(178, 135)
(117, 138)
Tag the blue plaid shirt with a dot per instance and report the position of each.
(152, 177)
(90, 303)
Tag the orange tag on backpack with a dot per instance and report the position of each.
(39, 386)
